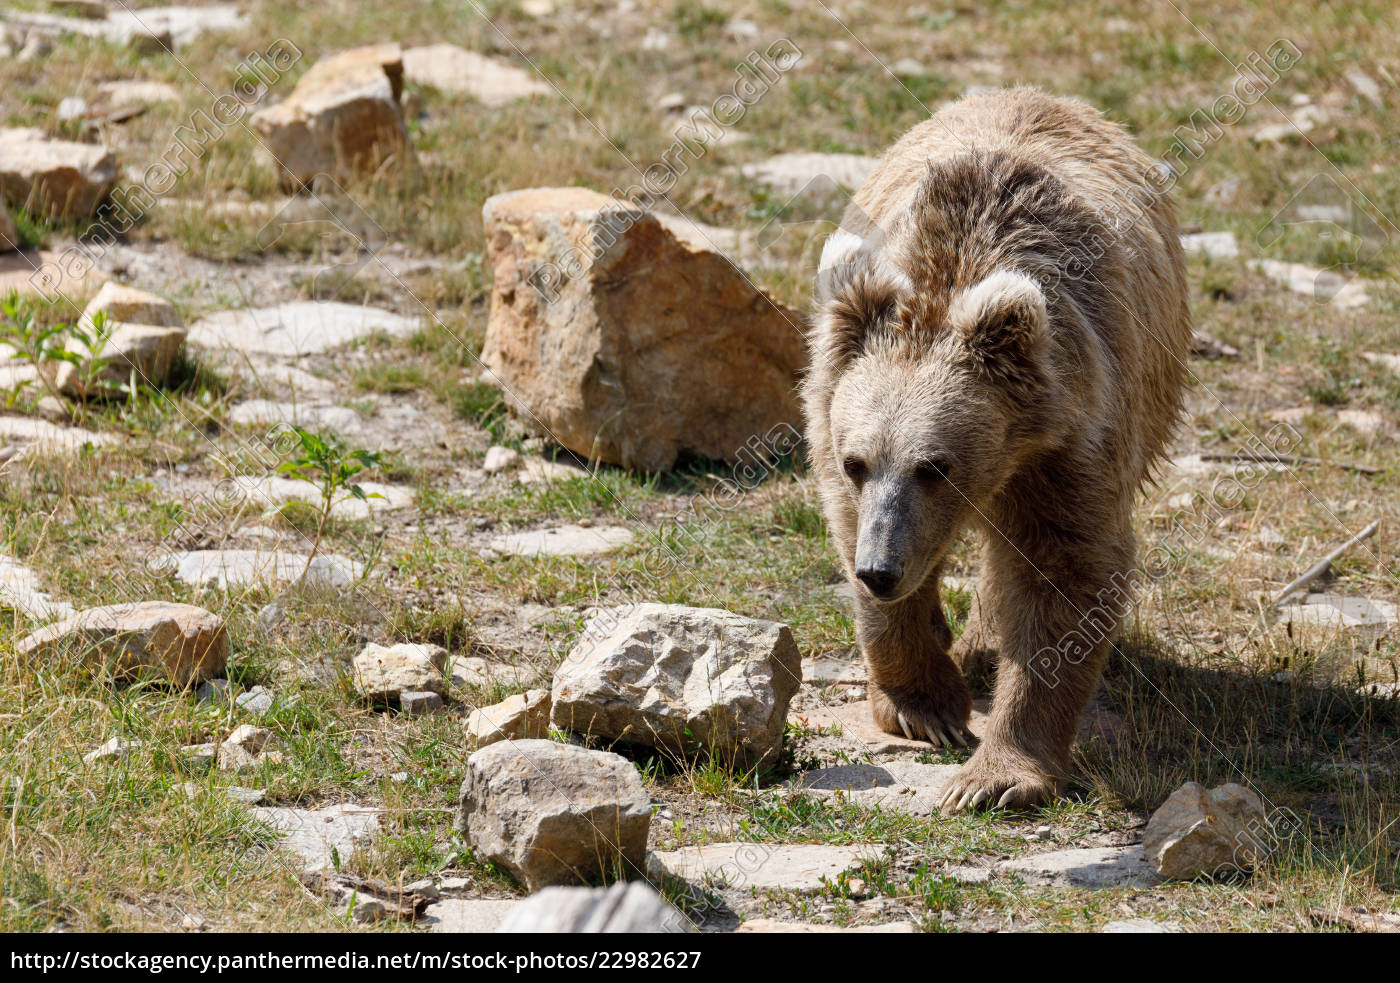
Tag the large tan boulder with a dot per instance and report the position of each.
(628, 344)
(680, 678)
(518, 717)
(187, 643)
(343, 118)
(1207, 832)
(384, 673)
(145, 340)
(554, 813)
(128, 304)
(58, 178)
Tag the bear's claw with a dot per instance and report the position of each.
(981, 784)
(947, 736)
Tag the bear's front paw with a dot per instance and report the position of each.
(939, 717)
(997, 780)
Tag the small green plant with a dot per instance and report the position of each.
(329, 464)
(48, 346)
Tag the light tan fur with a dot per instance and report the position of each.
(1006, 350)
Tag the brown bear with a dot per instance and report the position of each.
(1000, 342)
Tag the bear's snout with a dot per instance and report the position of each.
(882, 581)
(882, 540)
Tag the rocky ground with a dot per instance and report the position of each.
(312, 711)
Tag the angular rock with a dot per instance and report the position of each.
(416, 704)
(500, 459)
(146, 338)
(200, 755)
(214, 690)
(187, 643)
(57, 178)
(321, 838)
(628, 344)
(453, 69)
(114, 750)
(252, 738)
(554, 813)
(342, 119)
(257, 700)
(306, 327)
(121, 303)
(518, 717)
(1086, 867)
(671, 677)
(383, 674)
(621, 907)
(790, 867)
(1213, 833)
(567, 540)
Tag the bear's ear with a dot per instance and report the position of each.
(1002, 320)
(859, 307)
(859, 290)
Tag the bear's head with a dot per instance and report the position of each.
(931, 399)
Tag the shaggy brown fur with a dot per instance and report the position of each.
(1004, 349)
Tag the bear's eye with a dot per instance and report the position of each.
(854, 468)
(933, 471)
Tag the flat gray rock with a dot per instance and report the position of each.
(272, 492)
(19, 590)
(42, 437)
(902, 786)
(793, 867)
(1087, 867)
(223, 569)
(298, 328)
(267, 413)
(1361, 614)
(834, 672)
(563, 541)
(315, 836)
(1212, 245)
(467, 914)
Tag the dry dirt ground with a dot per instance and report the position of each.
(1210, 683)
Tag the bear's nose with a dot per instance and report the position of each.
(881, 581)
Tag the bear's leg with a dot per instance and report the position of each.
(915, 689)
(1061, 604)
